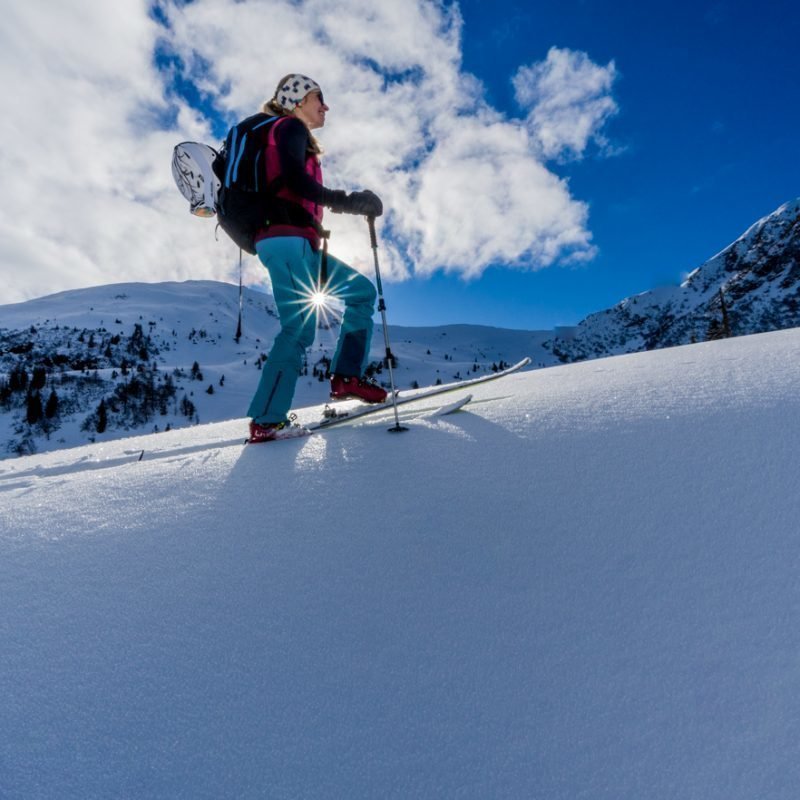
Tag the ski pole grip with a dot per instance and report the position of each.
(372, 235)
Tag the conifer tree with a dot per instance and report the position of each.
(39, 378)
(720, 328)
(51, 407)
(33, 411)
(726, 325)
(5, 391)
(18, 379)
(102, 417)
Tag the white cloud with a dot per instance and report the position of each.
(91, 119)
(570, 101)
(482, 199)
(86, 198)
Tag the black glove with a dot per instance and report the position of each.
(365, 203)
(336, 200)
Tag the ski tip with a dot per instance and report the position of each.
(451, 408)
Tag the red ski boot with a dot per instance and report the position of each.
(273, 431)
(364, 389)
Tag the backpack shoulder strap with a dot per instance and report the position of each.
(242, 144)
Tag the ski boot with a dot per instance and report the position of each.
(273, 431)
(344, 388)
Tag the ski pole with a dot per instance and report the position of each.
(398, 428)
(239, 325)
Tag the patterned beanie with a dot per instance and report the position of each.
(293, 90)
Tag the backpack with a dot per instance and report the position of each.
(229, 183)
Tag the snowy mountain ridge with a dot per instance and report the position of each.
(752, 286)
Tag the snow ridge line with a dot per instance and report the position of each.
(20, 480)
(128, 457)
(10, 479)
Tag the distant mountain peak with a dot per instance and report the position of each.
(754, 283)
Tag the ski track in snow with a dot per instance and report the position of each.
(584, 584)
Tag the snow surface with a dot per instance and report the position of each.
(584, 586)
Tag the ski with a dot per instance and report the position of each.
(450, 408)
(335, 417)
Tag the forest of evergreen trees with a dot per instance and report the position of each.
(65, 371)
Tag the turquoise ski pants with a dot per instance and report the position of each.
(294, 269)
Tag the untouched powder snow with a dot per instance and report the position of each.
(587, 585)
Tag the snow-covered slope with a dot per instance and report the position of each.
(584, 586)
(758, 275)
(161, 356)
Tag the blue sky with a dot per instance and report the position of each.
(708, 123)
(538, 161)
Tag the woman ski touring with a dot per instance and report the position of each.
(289, 247)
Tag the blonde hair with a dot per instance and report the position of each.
(276, 109)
